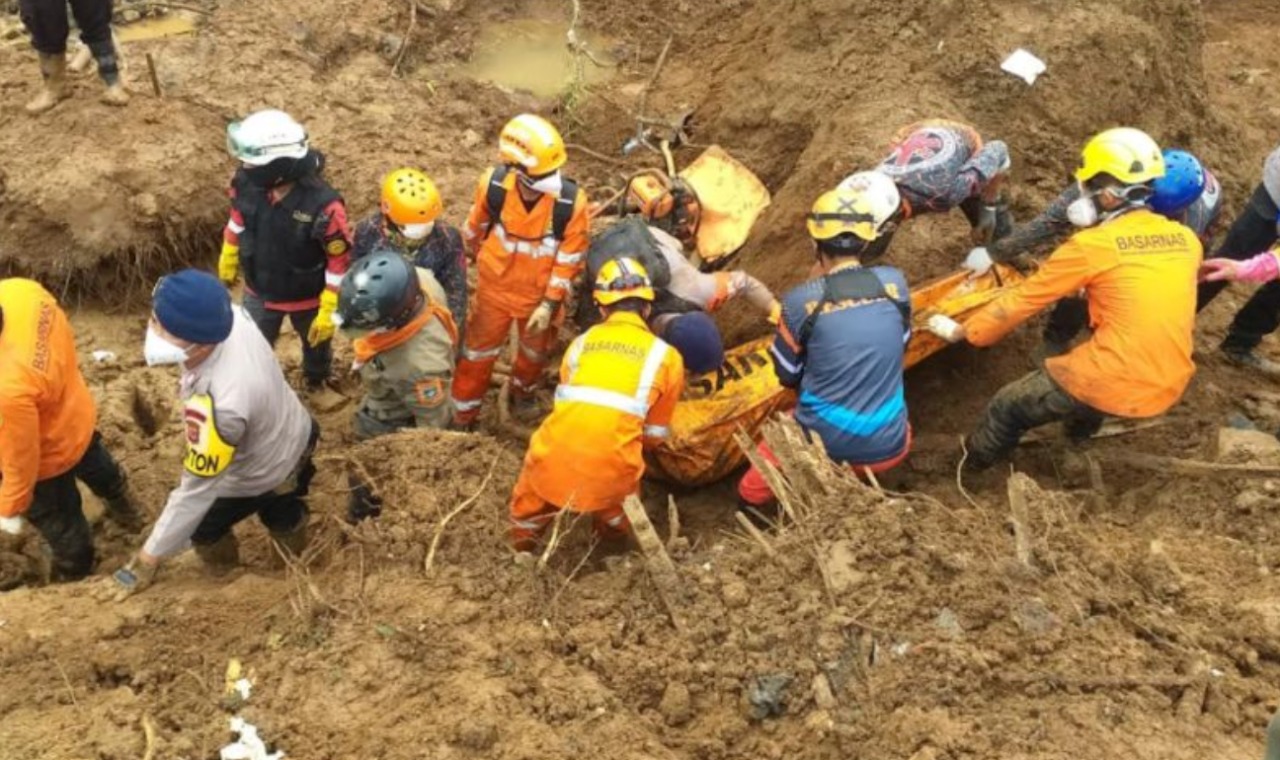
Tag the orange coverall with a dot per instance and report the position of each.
(47, 416)
(520, 264)
(1139, 275)
(619, 385)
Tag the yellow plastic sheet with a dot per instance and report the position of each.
(744, 392)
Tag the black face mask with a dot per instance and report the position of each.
(283, 170)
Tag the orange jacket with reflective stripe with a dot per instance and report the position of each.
(619, 385)
(519, 260)
(47, 416)
(1138, 272)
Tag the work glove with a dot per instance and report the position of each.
(978, 262)
(229, 264)
(12, 525)
(322, 326)
(775, 314)
(946, 328)
(540, 320)
(132, 578)
(1261, 268)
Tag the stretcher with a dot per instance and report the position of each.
(744, 392)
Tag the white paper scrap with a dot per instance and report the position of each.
(1023, 64)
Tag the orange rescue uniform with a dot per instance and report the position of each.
(619, 385)
(47, 416)
(1138, 272)
(520, 264)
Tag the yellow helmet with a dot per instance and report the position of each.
(410, 197)
(863, 208)
(533, 144)
(1128, 154)
(620, 279)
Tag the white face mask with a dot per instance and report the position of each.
(417, 231)
(550, 184)
(158, 351)
(1083, 212)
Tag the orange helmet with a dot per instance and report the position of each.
(533, 144)
(410, 197)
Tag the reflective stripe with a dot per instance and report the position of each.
(851, 422)
(532, 354)
(533, 523)
(466, 406)
(599, 397)
(615, 522)
(794, 369)
(652, 363)
(543, 248)
(558, 282)
(574, 355)
(479, 355)
(235, 228)
(568, 258)
(657, 431)
(332, 280)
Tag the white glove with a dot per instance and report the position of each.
(946, 328)
(12, 525)
(540, 320)
(978, 261)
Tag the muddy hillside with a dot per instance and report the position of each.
(1083, 604)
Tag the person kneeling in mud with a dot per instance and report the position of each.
(248, 442)
(405, 340)
(842, 338)
(619, 385)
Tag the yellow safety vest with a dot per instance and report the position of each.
(207, 454)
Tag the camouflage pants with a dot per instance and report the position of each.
(1027, 403)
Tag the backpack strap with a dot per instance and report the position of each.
(495, 196)
(562, 212)
(850, 285)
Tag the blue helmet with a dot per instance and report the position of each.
(1181, 185)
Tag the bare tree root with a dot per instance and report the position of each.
(435, 540)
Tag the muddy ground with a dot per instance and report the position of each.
(1123, 612)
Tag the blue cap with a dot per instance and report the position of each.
(193, 305)
(697, 338)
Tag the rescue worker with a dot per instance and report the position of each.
(49, 26)
(47, 436)
(684, 295)
(619, 385)
(409, 222)
(1137, 269)
(842, 336)
(248, 438)
(287, 233)
(1187, 193)
(939, 165)
(1256, 229)
(404, 340)
(528, 233)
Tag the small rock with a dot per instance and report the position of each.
(1033, 617)
(735, 594)
(676, 705)
(389, 45)
(948, 625)
(819, 722)
(145, 204)
(1241, 446)
(822, 696)
(767, 695)
(130, 16)
(479, 734)
(470, 138)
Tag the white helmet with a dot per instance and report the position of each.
(264, 136)
(881, 194)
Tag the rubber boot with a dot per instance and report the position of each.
(293, 543)
(220, 556)
(53, 68)
(109, 69)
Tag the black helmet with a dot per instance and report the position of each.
(380, 290)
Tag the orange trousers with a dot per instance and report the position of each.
(531, 515)
(487, 331)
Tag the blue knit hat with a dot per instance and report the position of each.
(697, 338)
(193, 305)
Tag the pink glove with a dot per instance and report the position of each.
(1261, 268)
